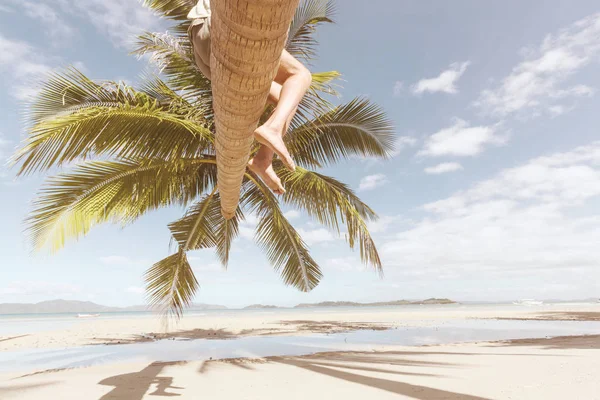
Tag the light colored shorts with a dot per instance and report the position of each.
(199, 34)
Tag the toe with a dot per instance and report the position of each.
(285, 157)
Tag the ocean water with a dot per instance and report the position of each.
(445, 331)
(16, 324)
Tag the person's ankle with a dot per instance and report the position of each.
(273, 127)
(261, 160)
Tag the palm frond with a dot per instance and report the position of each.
(358, 128)
(118, 130)
(70, 204)
(332, 203)
(156, 88)
(310, 13)
(203, 226)
(175, 60)
(71, 90)
(175, 10)
(171, 284)
(172, 9)
(195, 230)
(282, 244)
(226, 230)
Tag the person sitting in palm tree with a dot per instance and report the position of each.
(291, 83)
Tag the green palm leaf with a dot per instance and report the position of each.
(176, 10)
(70, 90)
(173, 56)
(195, 230)
(171, 284)
(161, 141)
(281, 243)
(332, 203)
(118, 130)
(172, 9)
(70, 204)
(203, 226)
(359, 128)
(310, 13)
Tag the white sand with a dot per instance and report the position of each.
(566, 369)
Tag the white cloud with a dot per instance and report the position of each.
(5, 8)
(55, 25)
(3, 148)
(135, 290)
(292, 214)
(527, 221)
(316, 236)
(345, 264)
(539, 82)
(398, 87)
(402, 143)
(120, 20)
(381, 225)
(461, 139)
(22, 67)
(371, 182)
(445, 82)
(40, 288)
(444, 168)
(248, 226)
(200, 264)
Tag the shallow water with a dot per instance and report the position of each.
(441, 332)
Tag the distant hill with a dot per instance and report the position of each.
(54, 306)
(382, 303)
(74, 306)
(259, 306)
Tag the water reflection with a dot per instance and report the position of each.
(263, 346)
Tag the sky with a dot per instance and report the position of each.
(493, 193)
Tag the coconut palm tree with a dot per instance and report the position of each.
(247, 37)
(134, 150)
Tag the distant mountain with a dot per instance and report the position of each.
(54, 306)
(87, 307)
(73, 306)
(259, 306)
(201, 306)
(381, 303)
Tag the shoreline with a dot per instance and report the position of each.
(275, 323)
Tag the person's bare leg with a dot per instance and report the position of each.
(262, 163)
(296, 80)
(200, 53)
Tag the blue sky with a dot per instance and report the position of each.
(493, 193)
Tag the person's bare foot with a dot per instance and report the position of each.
(271, 138)
(266, 172)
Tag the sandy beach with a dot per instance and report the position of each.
(122, 330)
(562, 367)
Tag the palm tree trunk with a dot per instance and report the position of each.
(247, 39)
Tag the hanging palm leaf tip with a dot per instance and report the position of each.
(136, 150)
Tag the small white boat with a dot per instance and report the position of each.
(87, 315)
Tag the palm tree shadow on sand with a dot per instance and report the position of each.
(133, 386)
